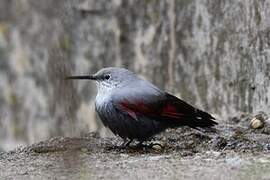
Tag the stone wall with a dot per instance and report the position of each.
(212, 54)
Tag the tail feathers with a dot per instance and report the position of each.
(201, 120)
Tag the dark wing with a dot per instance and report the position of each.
(166, 108)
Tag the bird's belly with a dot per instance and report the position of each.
(125, 126)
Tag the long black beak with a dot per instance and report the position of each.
(91, 77)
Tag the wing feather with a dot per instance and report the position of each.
(164, 107)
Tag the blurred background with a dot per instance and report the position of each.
(213, 54)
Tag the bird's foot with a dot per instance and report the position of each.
(141, 145)
(125, 144)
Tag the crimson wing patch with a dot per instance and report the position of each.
(160, 109)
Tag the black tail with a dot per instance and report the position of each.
(201, 120)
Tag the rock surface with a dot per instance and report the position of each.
(213, 54)
(234, 151)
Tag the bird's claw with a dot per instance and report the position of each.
(125, 144)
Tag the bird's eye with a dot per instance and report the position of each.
(107, 76)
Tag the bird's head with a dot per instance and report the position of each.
(108, 78)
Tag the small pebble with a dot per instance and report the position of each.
(84, 150)
(267, 147)
(158, 145)
(256, 123)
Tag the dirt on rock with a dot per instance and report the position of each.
(234, 151)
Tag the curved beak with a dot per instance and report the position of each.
(91, 77)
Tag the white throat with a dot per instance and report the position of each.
(104, 93)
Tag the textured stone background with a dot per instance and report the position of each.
(213, 54)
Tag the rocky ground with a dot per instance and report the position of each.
(237, 150)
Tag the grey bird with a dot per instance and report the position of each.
(135, 109)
